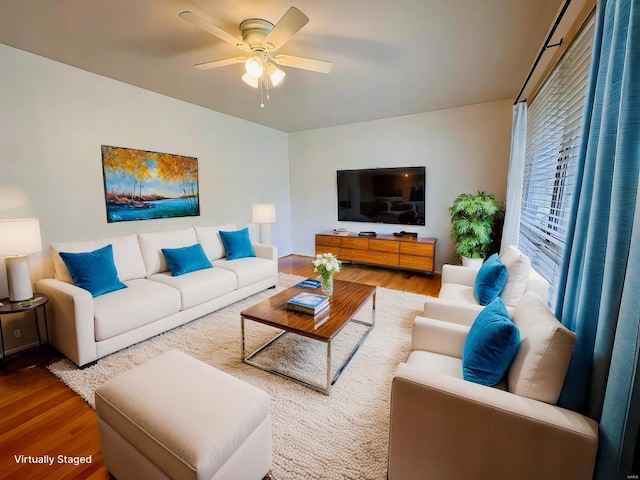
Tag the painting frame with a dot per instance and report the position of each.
(148, 185)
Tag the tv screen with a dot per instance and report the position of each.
(382, 195)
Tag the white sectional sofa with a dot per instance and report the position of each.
(85, 328)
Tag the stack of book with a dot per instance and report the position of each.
(310, 303)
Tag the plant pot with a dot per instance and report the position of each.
(472, 262)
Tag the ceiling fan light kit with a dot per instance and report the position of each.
(260, 40)
(254, 66)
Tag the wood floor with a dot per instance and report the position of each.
(40, 416)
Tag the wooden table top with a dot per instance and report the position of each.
(344, 303)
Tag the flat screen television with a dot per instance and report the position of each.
(382, 195)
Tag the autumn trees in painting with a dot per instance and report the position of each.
(140, 184)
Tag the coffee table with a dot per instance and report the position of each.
(346, 301)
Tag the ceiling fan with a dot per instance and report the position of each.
(260, 41)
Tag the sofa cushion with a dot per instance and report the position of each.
(94, 271)
(209, 238)
(491, 344)
(248, 270)
(143, 302)
(199, 286)
(541, 363)
(237, 244)
(126, 256)
(436, 362)
(518, 267)
(457, 292)
(490, 280)
(151, 245)
(186, 259)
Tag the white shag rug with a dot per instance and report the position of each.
(315, 436)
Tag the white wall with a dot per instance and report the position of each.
(464, 150)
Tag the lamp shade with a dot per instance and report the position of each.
(264, 213)
(20, 237)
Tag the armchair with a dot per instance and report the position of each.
(458, 282)
(442, 426)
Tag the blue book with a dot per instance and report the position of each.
(310, 303)
(309, 283)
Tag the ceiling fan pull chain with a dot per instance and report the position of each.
(261, 95)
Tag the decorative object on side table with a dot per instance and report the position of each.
(326, 264)
(18, 239)
(264, 215)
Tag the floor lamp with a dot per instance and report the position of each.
(264, 215)
(19, 238)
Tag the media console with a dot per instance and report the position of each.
(405, 253)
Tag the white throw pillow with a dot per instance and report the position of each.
(541, 362)
(209, 238)
(518, 268)
(126, 256)
(151, 245)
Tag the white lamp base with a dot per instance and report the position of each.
(265, 233)
(19, 278)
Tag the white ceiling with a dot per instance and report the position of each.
(390, 57)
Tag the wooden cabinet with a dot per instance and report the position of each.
(328, 244)
(384, 250)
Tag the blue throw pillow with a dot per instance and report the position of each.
(94, 271)
(237, 244)
(491, 344)
(490, 280)
(186, 259)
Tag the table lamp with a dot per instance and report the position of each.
(19, 238)
(264, 215)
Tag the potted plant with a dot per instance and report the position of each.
(474, 218)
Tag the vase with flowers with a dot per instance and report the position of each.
(326, 264)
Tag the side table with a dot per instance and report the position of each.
(8, 307)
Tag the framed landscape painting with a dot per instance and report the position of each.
(143, 185)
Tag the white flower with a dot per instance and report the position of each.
(326, 264)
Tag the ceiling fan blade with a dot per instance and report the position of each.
(220, 63)
(200, 22)
(318, 66)
(292, 21)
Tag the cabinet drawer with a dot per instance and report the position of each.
(416, 248)
(384, 245)
(366, 256)
(415, 262)
(328, 240)
(320, 249)
(350, 242)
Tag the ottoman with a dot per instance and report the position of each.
(176, 417)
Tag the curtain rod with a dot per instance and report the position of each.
(544, 48)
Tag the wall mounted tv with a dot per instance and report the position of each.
(382, 195)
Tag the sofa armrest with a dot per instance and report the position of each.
(446, 427)
(270, 252)
(71, 323)
(438, 336)
(459, 274)
(451, 311)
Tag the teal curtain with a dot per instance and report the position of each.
(600, 280)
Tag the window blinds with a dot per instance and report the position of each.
(554, 131)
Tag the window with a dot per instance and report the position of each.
(554, 132)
